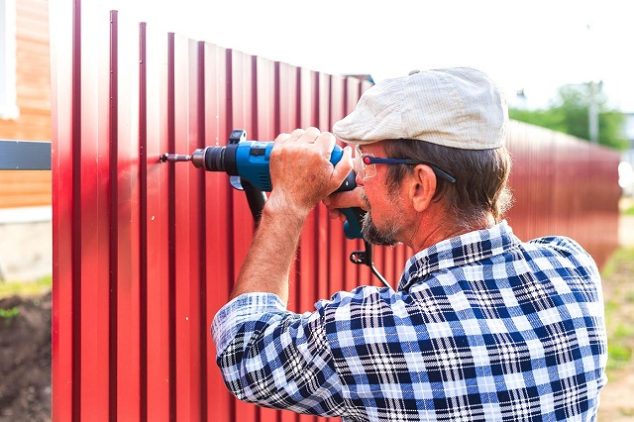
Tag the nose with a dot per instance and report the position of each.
(358, 179)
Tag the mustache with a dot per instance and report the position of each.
(364, 198)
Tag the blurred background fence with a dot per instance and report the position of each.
(146, 253)
(564, 186)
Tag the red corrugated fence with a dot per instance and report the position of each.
(146, 253)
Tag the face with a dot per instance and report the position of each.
(385, 222)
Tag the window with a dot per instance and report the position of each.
(8, 102)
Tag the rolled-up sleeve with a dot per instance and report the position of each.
(276, 358)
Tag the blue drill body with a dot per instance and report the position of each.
(248, 161)
(253, 157)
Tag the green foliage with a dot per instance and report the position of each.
(618, 356)
(569, 114)
(9, 313)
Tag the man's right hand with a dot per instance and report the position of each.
(301, 171)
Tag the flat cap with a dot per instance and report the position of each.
(456, 107)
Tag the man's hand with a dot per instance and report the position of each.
(301, 172)
(349, 199)
(301, 175)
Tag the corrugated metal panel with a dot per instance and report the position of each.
(563, 186)
(146, 253)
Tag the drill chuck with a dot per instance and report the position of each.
(198, 158)
(218, 158)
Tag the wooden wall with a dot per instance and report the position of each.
(29, 188)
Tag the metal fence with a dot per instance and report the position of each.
(145, 253)
(564, 186)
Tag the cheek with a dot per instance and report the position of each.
(381, 205)
(374, 199)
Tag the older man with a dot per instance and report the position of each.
(481, 327)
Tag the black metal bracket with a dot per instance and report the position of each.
(365, 258)
(362, 257)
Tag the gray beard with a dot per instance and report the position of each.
(374, 235)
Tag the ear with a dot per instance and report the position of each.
(422, 187)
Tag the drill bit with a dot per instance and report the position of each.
(175, 157)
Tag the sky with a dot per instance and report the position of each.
(534, 45)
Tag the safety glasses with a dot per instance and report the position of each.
(365, 166)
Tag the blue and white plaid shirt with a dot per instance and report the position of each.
(482, 327)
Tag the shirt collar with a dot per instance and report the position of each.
(456, 251)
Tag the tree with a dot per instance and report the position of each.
(568, 113)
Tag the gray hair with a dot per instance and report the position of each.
(481, 178)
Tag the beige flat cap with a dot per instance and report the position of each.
(457, 107)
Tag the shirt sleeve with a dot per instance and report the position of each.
(276, 358)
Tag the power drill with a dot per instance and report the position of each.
(247, 164)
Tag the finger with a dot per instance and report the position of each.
(296, 134)
(349, 199)
(310, 135)
(281, 138)
(333, 214)
(326, 142)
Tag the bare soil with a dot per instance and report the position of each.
(25, 358)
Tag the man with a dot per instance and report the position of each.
(481, 327)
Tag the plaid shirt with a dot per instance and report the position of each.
(482, 327)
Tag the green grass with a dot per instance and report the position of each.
(618, 283)
(618, 356)
(628, 211)
(622, 257)
(31, 288)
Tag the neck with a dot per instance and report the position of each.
(430, 230)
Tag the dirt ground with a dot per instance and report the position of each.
(25, 359)
(617, 398)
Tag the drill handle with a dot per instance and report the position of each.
(352, 226)
(256, 199)
(349, 183)
(354, 216)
